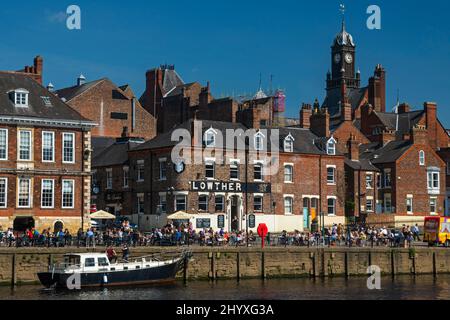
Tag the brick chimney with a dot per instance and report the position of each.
(377, 89)
(366, 113)
(353, 148)
(404, 108)
(320, 122)
(36, 70)
(346, 107)
(305, 116)
(387, 136)
(153, 91)
(39, 68)
(205, 97)
(430, 109)
(419, 135)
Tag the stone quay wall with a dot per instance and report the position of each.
(20, 266)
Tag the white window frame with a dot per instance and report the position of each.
(163, 202)
(370, 185)
(334, 206)
(29, 193)
(411, 199)
(291, 198)
(331, 147)
(4, 206)
(53, 146)
(163, 169)
(6, 144)
(53, 194)
(19, 144)
(73, 194)
(64, 134)
(260, 165)
(431, 181)
(434, 199)
(185, 202)
(222, 204)
(291, 166)
(422, 158)
(331, 182)
(20, 102)
(259, 141)
(235, 164)
(289, 144)
(210, 143)
(109, 179)
(213, 165)
(205, 203)
(140, 165)
(369, 200)
(126, 177)
(258, 196)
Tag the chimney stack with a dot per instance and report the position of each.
(353, 148)
(387, 136)
(305, 116)
(320, 121)
(404, 108)
(431, 123)
(419, 135)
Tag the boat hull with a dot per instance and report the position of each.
(161, 274)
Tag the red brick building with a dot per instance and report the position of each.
(175, 102)
(44, 155)
(113, 108)
(212, 191)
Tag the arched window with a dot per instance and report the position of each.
(421, 157)
(289, 144)
(331, 147)
(210, 138)
(259, 141)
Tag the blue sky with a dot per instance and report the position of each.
(230, 42)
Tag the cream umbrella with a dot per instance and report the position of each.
(180, 215)
(102, 215)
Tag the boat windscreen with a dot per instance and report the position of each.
(72, 260)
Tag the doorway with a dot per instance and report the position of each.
(21, 224)
(59, 226)
(234, 213)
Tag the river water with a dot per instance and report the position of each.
(402, 288)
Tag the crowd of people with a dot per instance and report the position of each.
(185, 234)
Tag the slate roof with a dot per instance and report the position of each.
(362, 164)
(10, 81)
(179, 89)
(304, 140)
(116, 154)
(171, 79)
(333, 98)
(72, 92)
(385, 154)
(99, 144)
(406, 121)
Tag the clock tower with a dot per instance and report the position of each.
(343, 61)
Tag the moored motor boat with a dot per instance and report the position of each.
(81, 270)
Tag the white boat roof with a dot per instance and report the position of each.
(86, 255)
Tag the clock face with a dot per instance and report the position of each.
(179, 167)
(348, 58)
(337, 58)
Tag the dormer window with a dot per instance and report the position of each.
(259, 141)
(21, 98)
(210, 138)
(331, 147)
(289, 144)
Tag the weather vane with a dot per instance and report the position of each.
(342, 10)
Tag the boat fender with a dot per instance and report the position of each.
(105, 278)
